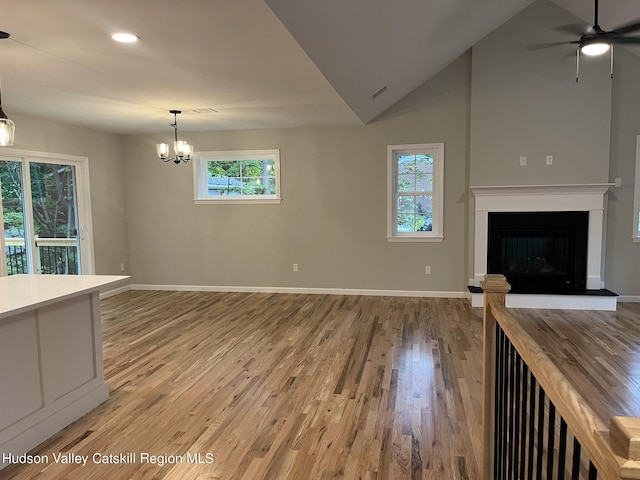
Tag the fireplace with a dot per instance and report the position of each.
(540, 259)
(539, 252)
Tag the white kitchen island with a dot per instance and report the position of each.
(51, 370)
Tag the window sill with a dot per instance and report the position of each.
(415, 239)
(636, 239)
(238, 201)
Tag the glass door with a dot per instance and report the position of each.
(55, 220)
(15, 246)
(43, 215)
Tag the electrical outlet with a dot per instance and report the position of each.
(523, 161)
(122, 267)
(427, 270)
(549, 159)
(295, 267)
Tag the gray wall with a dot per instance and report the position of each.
(622, 254)
(526, 102)
(488, 108)
(332, 220)
(108, 203)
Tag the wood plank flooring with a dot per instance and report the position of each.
(280, 387)
(598, 351)
(314, 387)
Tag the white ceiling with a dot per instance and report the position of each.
(238, 58)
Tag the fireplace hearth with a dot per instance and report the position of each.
(539, 252)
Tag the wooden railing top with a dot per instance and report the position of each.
(42, 242)
(613, 449)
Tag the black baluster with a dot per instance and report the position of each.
(550, 439)
(532, 411)
(523, 418)
(562, 449)
(575, 468)
(540, 445)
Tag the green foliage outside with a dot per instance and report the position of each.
(242, 177)
(54, 213)
(414, 188)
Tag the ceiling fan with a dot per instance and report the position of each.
(596, 41)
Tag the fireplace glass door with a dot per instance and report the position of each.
(539, 252)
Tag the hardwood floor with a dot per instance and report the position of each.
(280, 387)
(598, 351)
(313, 387)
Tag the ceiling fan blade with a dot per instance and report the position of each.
(574, 30)
(540, 46)
(631, 27)
(626, 40)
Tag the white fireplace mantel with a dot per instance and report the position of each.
(541, 198)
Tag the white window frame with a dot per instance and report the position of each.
(200, 176)
(436, 234)
(636, 197)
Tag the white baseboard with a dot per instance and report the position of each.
(313, 291)
(629, 298)
(115, 291)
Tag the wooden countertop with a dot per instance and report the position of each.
(20, 293)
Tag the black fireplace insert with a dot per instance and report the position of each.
(539, 252)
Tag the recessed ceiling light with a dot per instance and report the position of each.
(125, 37)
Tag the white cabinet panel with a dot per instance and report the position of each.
(20, 381)
(68, 349)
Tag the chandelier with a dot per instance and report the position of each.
(183, 151)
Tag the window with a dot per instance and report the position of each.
(247, 176)
(636, 199)
(415, 187)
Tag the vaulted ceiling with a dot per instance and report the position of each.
(239, 64)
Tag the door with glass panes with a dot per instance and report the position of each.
(45, 229)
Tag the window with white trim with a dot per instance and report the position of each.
(415, 192)
(239, 176)
(636, 199)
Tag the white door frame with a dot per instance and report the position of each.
(83, 193)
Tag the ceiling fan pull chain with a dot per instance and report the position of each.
(612, 61)
(577, 63)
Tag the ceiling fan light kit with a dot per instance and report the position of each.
(598, 41)
(594, 49)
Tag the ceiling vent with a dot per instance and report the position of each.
(204, 110)
(378, 92)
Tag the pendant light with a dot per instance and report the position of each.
(7, 127)
(182, 149)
